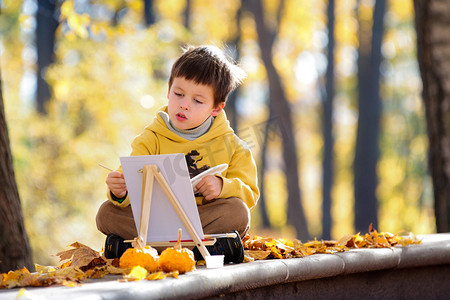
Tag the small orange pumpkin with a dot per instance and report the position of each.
(146, 257)
(177, 258)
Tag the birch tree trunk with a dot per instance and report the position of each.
(433, 52)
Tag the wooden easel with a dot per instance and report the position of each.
(150, 173)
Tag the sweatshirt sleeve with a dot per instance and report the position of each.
(123, 203)
(143, 144)
(241, 180)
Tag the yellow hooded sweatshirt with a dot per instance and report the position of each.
(217, 146)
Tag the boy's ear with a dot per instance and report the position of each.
(216, 111)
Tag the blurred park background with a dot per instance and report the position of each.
(322, 113)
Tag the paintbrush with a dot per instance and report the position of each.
(105, 167)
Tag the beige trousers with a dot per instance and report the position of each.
(218, 216)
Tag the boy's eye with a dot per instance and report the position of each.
(178, 94)
(198, 101)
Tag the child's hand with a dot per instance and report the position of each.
(210, 187)
(116, 183)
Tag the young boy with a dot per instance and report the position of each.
(194, 120)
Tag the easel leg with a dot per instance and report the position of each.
(146, 202)
(181, 214)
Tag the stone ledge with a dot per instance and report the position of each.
(260, 275)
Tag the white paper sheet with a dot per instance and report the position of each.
(164, 221)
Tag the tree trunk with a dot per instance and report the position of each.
(15, 250)
(230, 108)
(265, 221)
(45, 43)
(433, 52)
(149, 14)
(279, 105)
(327, 168)
(367, 146)
(187, 15)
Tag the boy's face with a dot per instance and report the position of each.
(190, 104)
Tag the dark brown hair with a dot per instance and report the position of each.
(208, 65)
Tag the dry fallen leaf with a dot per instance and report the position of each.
(257, 254)
(257, 247)
(162, 275)
(140, 273)
(81, 256)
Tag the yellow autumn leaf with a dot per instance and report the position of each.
(67, 9)
(156, 276)
(44, 269)
(13, 278)
(161, 275)
(22, 293)
(287, 242)
(74, 273)
(78, 23)
(136, 273)
(97, 28)
(358, 238)
(26, 21)
(275, 253)
(69, 283)
(270, 244)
